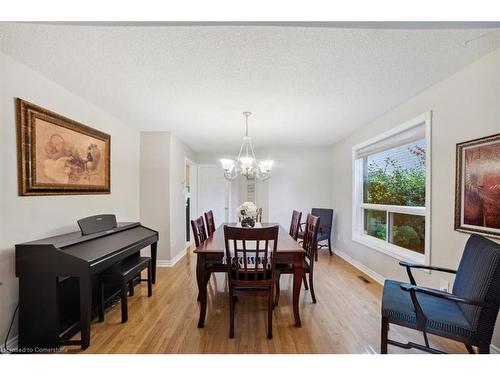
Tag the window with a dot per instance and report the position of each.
(391, 200)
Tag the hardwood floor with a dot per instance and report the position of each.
(346, 318)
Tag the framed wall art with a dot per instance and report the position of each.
(59, 156)
(477, 195)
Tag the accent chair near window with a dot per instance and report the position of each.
(467, 315)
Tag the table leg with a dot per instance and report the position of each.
(202, 287)
(298, 272)
(85, 309)
(154, 250)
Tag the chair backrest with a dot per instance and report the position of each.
(310, 242)
(258, 218)
(326, 216)
(209, 219)
(478, 278)
(295, 224)
(199, 231)
(250, 251)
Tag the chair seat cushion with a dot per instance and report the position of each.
(251, 276)
(322, 236)
(216, 267)
(253, 282)
(288, 268)
(444, 318)
(319, 237)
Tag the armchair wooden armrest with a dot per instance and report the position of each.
(415, 265)
(440, 294)
(409, 266)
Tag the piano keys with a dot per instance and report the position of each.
(58, 279)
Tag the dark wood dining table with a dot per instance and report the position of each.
(210, 255)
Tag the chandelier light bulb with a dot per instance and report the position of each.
(227, 165)
(265, 166)
(246, 162)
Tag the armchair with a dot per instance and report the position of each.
(467, 315)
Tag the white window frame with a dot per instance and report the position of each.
(382, 246)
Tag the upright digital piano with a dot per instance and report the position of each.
(58, 278)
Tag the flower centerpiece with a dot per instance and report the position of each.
(247, 213)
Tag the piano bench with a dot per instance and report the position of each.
(125, 271)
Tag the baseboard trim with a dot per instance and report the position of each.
(11, 344)
(171, 262)
(494, 349)
(368, 271)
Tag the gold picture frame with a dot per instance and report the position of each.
(59, 156)
(477, 186)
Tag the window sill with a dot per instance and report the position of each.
(393, 251)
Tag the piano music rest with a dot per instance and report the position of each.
(124, 272)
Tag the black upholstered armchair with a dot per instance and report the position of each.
(468, 314)
(325, 229)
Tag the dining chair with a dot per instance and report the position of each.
(325, 230)
(309, 244)
(199, 231)
(467, 315)
(209, 219)
(295, 224)
(251, 268)
(200, 236)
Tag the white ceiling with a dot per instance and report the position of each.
(305, 85)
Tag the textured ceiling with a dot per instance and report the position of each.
(305, 85)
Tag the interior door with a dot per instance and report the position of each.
(213, 192)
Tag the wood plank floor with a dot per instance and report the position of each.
(346, 318)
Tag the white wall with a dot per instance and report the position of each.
(300, 180)
(162, 191)
(28, 218)
(178, 154)
(464, 106)
(155, 187)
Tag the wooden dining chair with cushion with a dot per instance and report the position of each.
(199, 231)
(251, 269)
(295, 224)
(468, 314)
(200, 236)
(325, 230)
(309, 244)
(209, 219)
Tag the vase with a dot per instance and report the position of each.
(248, 222)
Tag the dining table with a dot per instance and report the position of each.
(211, 253)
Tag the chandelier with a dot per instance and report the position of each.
(246, 164)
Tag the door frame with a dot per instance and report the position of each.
(193, 192)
